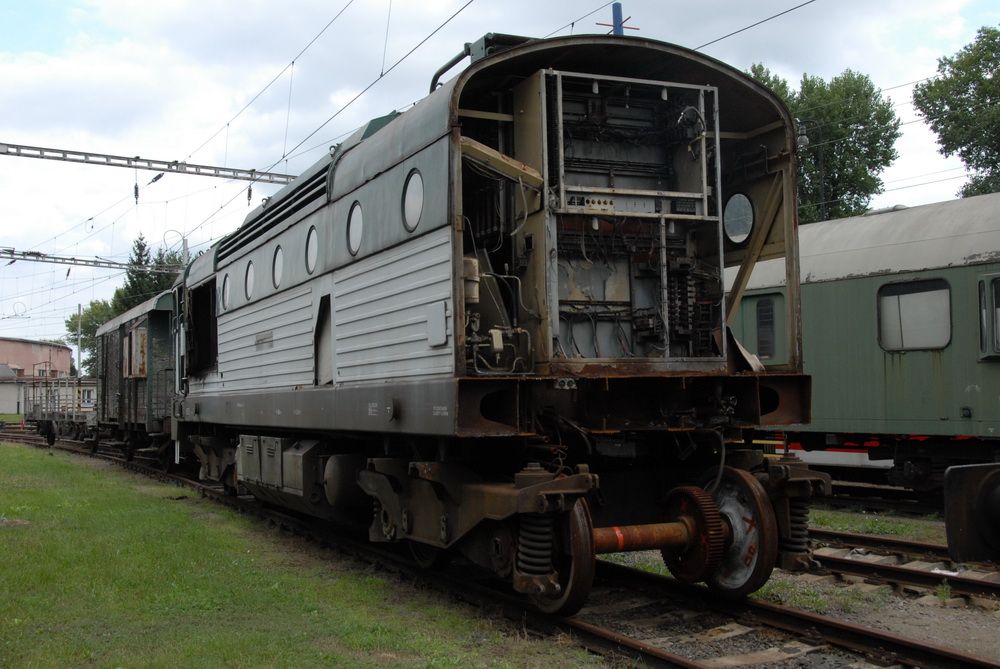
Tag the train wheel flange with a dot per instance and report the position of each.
(752, 550)
(695, 507)
(574, 562)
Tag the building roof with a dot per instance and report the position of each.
(35, 342)
(907, 239)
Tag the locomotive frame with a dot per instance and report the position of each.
(495, 324)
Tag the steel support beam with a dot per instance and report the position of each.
(178, 167)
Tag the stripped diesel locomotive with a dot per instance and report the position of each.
(494, 325)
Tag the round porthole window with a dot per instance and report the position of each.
(312, 250)
(225, 292)
(249, 281)
(413, 200)
(737, 218)
(355, 228)
(277, 265)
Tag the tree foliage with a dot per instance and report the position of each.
(140, 285)
(962, 106)
(851, 131)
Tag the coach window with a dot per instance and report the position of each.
(914, 315)
(355, 228)
(248, 291)
(996, 314)
(225, 292)
(312, 250)
(277, 265)
(989, 316)
(413, 200)
(765, 327)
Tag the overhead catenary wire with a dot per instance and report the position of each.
(754, 25)
(297, 56)
(346, 104)
(577, 20)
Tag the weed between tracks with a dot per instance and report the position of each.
(782, 588)
(105, 569)
(822, 598)
(929, 530)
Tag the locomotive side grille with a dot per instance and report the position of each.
(286, 210)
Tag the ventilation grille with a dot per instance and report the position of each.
(311, 190)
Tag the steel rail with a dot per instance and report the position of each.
(937, 551)
(958, 584)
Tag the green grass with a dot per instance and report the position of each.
(10, 418)
(822, 598)
(102, 568)
(873, 523)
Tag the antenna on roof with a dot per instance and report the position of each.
(617, 24)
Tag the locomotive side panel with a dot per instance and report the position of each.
(393, 313)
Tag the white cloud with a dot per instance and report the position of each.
(158, 79)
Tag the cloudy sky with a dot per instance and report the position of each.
(167, 80)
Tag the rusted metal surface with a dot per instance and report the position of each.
(710, 534)
(753, 548)
(641, 537)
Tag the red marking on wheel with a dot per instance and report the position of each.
(751, 523)
(749, 555)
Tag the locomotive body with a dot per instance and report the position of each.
(499, 319)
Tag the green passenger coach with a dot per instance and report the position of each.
(901, 334)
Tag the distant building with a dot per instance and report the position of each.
(25, 360)
(12, 391)
(27, 357)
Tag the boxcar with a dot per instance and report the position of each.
(135, 378)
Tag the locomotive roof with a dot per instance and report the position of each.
(908, 239)
(162, 302)
(388, 140)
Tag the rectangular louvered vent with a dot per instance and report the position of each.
(293, 206)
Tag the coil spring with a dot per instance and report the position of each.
(534, 545)
(798, 530)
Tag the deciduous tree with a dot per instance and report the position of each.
(962, 106)
(850, 134)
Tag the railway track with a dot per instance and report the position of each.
(884, 498)
(904, 564)
(631, 614)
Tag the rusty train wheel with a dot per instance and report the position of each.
(703, 556)
(753, 549)
(574, 561)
